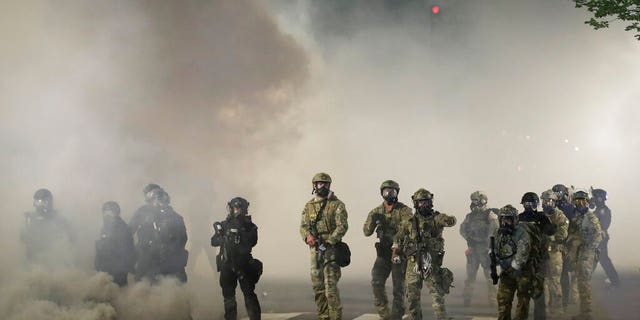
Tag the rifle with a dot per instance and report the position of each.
(492, 256)
(424, 266)
(313, 230)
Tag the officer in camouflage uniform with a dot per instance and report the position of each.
(476, 229)
(567, 278)
(584, 238)
(385, 220)
(603, 213)
(420, 242)
(515, 249)
(556, 242)
(324, 223)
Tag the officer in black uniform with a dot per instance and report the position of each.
(602, 211)
(236, 236)
(162, 237)
(47, 235)
(115, 253)
(544, 228)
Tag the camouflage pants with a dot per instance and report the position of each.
(568, 281)
(382, 267)
(413, 291)
(510, 286)
(478, 256)
(553, 288)
(584, 268)
(325, 286)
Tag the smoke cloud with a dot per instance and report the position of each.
(219, 99)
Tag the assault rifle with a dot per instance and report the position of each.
(492, 256)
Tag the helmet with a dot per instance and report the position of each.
(549, 195)
(150, 187)
(599, 193)
(390, 184)
(479, 195)
(111, 206)
(580, 195)
(508, 211)
(42, 194)
(239, 202)
(530, 197)
(321, 177)
(422, 194)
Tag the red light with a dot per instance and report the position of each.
(435, 9)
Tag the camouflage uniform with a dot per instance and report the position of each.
(427, 228)
(515, 250)
(476, 229)
(386, 224)
(584, 238)
(556, 242)
(331, 227)
(567, 277)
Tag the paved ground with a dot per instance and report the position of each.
(295, 301)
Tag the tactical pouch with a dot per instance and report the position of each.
(254, 270)
(219, 262)
(343, 254)
(445, 280)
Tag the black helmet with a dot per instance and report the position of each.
(530, 197)
(599, 193)
(42, 194)
(240, 203)
(111, 206)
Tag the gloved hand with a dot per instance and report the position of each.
(311, 241)
(395, 258)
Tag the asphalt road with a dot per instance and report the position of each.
(294, 300)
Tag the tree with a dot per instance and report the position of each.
(607, 11)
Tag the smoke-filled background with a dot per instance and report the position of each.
(217, 99)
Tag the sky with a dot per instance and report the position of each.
(213, 100)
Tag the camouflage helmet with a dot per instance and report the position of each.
(479, 195)
(42, 194)
(549, 195)
(239, 202)
(390, 184)
(508, 211)
(530, 197)
(580, 195)
(599, 193)
(321, 177)
(422, 194)
(561, 188)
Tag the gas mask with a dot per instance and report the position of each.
(321, 189)
(43, 206)
(424, 207)
(108, 216)
(548, 207)
(507, 225)
(582, 205)
(530, 206)
(477, 204)
(390, 195)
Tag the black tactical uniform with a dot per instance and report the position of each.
(47, 236)
(115, 253)
(162, 236)
(236, 236)
(603, 213)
